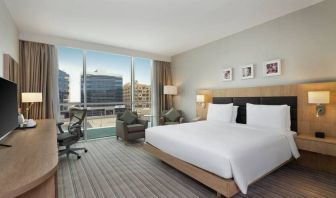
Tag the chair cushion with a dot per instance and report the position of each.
(135, 128)
(172, 115)
(66, 138)
(129, 117)
(170, 123)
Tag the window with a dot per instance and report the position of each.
(70, 64)
(103, 83)
(142, 90)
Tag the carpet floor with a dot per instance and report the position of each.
(111, 169)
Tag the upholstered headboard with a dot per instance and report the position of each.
(278, 100)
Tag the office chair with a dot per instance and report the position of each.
(74, 133)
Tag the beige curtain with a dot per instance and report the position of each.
(163, 77)
(11, 72)
(37, 74)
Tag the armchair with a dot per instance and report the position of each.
(165, 121)
(130, 131)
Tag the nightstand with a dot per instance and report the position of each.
(325, 146)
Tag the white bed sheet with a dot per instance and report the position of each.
(229, 150)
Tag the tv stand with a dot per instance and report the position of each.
(5, 145)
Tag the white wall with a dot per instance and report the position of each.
(304, 40)
(9, 42)
(54, 40)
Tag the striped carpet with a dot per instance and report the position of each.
(111, 169)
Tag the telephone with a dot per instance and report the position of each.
(29, 123)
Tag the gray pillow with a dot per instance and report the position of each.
(129, 117)
(172, 115)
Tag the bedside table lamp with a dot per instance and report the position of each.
(31, 98)
(170, 90)
(320, 98)
(200, 99)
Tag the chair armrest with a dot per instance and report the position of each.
(121, 128)
(143, 122)
(59, 126)
(162, 120)
(181, 120)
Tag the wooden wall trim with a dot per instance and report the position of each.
(307, 122)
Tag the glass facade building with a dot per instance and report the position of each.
(102, 88)
(63, 86)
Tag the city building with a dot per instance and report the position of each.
(102, 88)
(63, 85)
(142, 94)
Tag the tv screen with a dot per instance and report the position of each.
(8, 107)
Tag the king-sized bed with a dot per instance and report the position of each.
(234, 154)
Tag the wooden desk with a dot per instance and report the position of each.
(29, 168)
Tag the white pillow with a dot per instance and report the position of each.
(220, 112)
(234, 114)
(289, 122)
(270, 116)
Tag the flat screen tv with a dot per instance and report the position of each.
(8, 107)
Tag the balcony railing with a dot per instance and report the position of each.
(101, 117)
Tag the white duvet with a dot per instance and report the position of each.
(237, 151)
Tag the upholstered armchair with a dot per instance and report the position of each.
(168, 117)
(130, 127)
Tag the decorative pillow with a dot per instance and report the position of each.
(220, 112)
(129, 117)
(270, 116)
(172, 115)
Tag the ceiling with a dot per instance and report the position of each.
(165, 27)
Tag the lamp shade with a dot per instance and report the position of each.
(170, 90)
(200, 98)
(318, 97)
(31, 97)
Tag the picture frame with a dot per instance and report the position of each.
(227, 74)
(272, 68)
(247, 71)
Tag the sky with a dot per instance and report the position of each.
(70, 60)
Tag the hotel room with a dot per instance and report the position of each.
(154, 98)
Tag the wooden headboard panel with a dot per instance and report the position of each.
(275, 100)
(307, 122)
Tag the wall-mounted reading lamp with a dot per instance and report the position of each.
(201, 99)
(320, 98)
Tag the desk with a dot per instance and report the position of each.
(29, 168)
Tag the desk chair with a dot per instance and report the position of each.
(74, 133)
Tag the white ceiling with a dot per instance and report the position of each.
(165, 27)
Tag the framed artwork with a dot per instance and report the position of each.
(227, 74)
(247, 71)
(272, 68)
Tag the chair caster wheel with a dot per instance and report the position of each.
(78, 157)
(85, 150)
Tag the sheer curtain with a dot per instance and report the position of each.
(161, 76)
(38, 73)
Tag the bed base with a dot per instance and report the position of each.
(225, 187)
